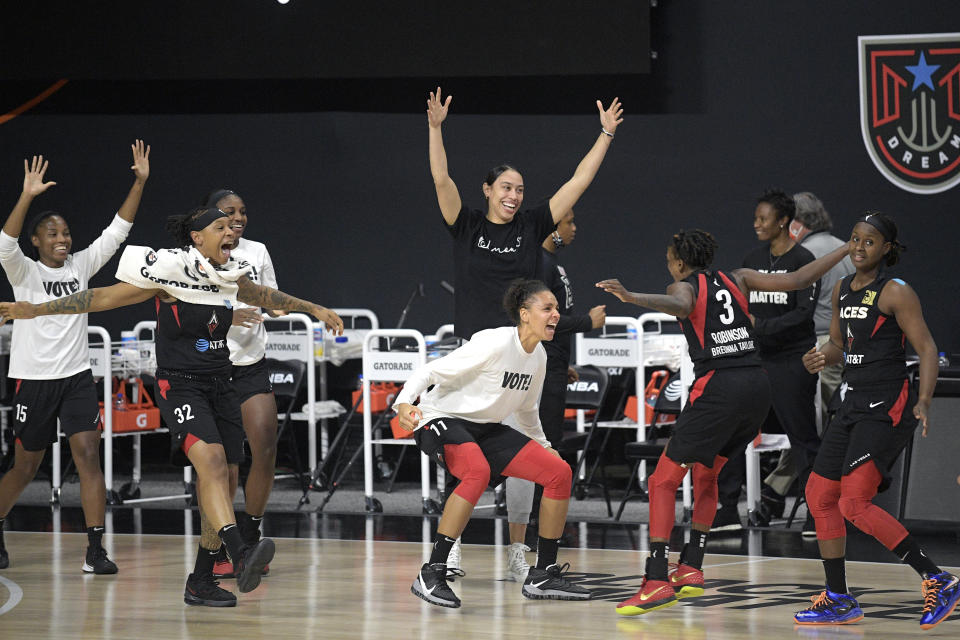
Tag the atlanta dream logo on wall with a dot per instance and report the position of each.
(910, 108)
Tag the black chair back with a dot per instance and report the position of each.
(286, 376)
(590, 391)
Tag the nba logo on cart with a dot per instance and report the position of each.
(910, 108)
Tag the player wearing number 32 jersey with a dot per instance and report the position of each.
(728, 401)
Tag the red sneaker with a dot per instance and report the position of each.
(223, 568)
(653, 594)
(686, 581)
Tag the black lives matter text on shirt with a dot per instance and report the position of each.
(487, 257)
(783, 320)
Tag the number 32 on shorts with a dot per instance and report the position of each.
(183, 413)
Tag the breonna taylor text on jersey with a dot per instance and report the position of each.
(873, 342)
(718, 330)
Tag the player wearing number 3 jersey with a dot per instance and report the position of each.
(728, 401)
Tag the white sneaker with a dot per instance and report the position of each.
(453, 563)
(517, 566)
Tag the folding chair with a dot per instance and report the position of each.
(589, 392)
(658, 434)
(288, 377)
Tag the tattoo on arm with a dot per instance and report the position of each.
(269, 298)
(77, 303)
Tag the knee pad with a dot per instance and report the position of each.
(822, 501)
(857, 490)
(705, 492)
(467, 462)
(663, 496)
(535, 463)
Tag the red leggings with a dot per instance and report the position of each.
(533, 462)
(830, 501)
(663, 494)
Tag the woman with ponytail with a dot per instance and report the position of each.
(874, 314)
(459, 423)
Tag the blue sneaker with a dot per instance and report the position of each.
(941, 592)
(830, 608)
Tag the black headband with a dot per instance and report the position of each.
(219, 195)
(206, 218)
(888, 231)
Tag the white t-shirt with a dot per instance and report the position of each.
(248, 345)
(53, 347)
(484, 381)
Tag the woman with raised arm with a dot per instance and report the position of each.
(496, 246)
(874, 314)
(502, 243)
(459, 423)
(49, 357)
(728, 401)
(195, 289)
(247, 340)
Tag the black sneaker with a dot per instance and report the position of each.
(204, 591)
(549, 584)
(4, 558)
(250, 568)
(727, 519)
(431, 585)
(97, 562)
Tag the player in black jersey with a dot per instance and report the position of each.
(873, 315)
(197, 399)
(728, 401)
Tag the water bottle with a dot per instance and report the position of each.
(631, 332)
(120, 403)
(943, 360)
(318, 341)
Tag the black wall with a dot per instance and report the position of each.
(755, 94)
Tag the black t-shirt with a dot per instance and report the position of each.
(873, 342)
(718, 330)
(487, 257)
(783, 320)
(193, 338)
(556, 278)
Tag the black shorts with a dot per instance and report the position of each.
(873, 423)
(202, 407)
(723, 414)
(499, 443)
(252, 379)
(38, 403)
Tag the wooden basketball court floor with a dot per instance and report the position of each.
(360, 589)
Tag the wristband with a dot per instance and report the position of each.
(605, 132)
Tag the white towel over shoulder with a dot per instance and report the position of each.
(183, 273)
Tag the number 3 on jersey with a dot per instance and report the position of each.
(724, 298)
(183, 413)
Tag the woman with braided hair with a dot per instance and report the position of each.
(728, 401)
(195, 290)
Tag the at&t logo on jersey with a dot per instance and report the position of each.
(202, 344)
(910, 108)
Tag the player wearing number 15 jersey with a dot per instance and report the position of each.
(728, 401)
